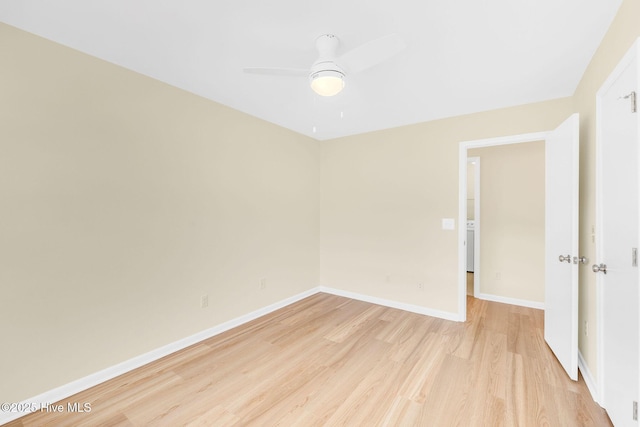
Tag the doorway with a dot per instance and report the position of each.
(464, 158)
(560, 236)
(512, 184)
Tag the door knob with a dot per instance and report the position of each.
(581, 260)
(565, 258)
(599, 268)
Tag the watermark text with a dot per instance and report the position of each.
(29, 407)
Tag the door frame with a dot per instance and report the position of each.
(633, 54)
(476, 219)
(462, 205)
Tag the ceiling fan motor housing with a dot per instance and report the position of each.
(326, 77)
(325, 65)
(328, 67)
(327, 46)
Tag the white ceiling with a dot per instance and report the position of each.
(462, 56)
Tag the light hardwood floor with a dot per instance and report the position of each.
(328, 360)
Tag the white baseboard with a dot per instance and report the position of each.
(512, 301)
(96, 378)
(592, 385)
(393, 304)
(64, 391)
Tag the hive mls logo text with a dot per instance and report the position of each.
(77, 407)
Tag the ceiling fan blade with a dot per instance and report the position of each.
(274, 71)
(372, 53)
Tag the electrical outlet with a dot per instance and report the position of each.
(263, 284)
(421, 286)
(498, 275)
(204, 301)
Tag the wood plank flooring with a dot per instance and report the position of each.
(332, 361)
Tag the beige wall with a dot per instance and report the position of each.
(624, 30)
(384, 194)
(512, 220)
(124, 200)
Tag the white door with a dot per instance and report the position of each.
(617, 238)
(561, 244)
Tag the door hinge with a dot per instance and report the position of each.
(634, 257)
(632, 98)
(635, 411)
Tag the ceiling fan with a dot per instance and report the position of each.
(328, 72)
